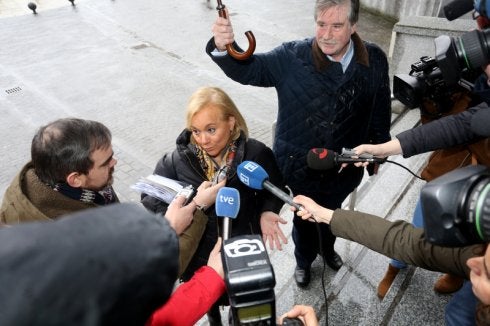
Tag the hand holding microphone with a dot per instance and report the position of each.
(324, 159)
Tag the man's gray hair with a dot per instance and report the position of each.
(322, 5)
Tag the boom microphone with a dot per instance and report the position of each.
(325, 159)
(457, 8)
(227, 205)
(255, 177)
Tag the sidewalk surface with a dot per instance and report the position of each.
(133, 64)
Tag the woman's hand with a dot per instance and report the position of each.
(271, 232)
(206, 193)
(312, 210)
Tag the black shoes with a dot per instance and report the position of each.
(334, 261)
(302, 276)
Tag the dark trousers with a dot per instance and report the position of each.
(307, 241)
(305, 233)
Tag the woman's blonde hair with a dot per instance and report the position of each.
(205, 96)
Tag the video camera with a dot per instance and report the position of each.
(456, 207)
(458, 60)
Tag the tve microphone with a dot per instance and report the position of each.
(227, 205)
(325, 159)
(255, 177)
(457, 8)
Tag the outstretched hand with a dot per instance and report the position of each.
(311, 210)
(271, 232)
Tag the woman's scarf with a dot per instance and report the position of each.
(209, 166)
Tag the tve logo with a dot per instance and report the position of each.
(227, 202)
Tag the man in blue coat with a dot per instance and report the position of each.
(333, 91)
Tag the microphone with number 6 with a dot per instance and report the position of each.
(227, 205)
(255, 177)
(325, 159)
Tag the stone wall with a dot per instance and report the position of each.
(396, 9)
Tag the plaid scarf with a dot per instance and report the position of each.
(209, 166)
(103, 197)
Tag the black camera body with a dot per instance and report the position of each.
(424, 80)
(250, 281)
(457, 63)
(456, 207)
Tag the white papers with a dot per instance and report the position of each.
(159, 187)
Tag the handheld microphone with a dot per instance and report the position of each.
(227, 205)
(255, 177)
(325, 159)
(457, 8)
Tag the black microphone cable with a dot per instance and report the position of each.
(320, 245)
(404, 167)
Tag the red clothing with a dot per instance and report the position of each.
(191, 300)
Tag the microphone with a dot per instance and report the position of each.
(227, 205)
(325, 159)
(480, 122)
(255, 177)
(457, 8)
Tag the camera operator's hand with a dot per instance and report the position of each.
(206, 193)
(271, 232)
(179, 217)
(304, 313)
(312, 210)
(215, 261)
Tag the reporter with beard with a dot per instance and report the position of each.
(71, 169)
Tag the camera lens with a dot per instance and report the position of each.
(478, 208)
(473, 48)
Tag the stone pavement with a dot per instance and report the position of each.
(133, 64)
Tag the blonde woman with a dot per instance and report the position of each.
(214, 142)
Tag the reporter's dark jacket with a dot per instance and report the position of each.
(182, 164)
(319, 105)
(447, 132)
(402, 241)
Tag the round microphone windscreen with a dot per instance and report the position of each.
(320, 159)
(252, 175)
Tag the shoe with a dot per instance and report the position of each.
(448, 283)
(387, 280)
(334, 261)
(302, 276)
